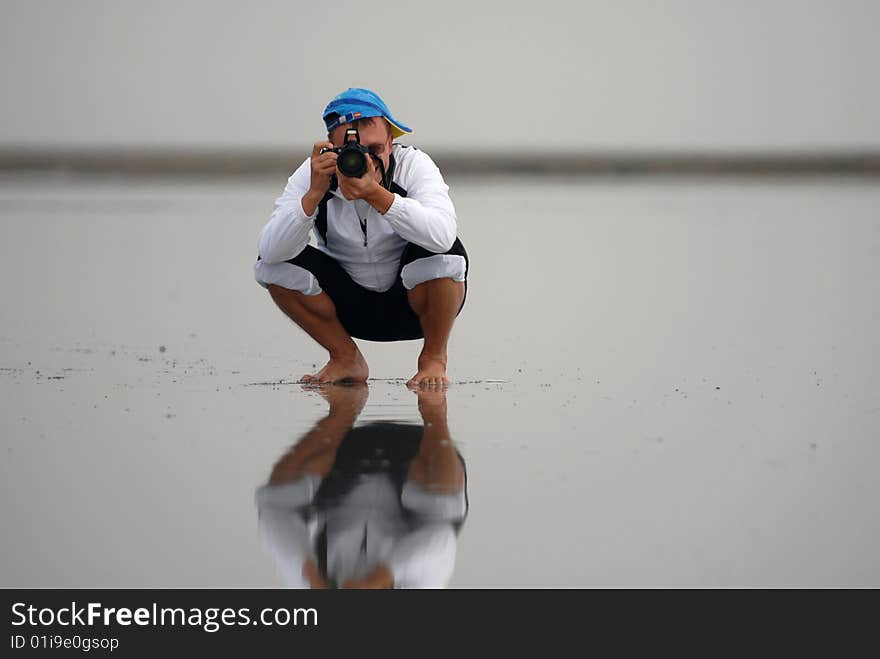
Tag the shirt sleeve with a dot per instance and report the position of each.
(287, 232)
(282, 529)
(425, 558)
(426, 216)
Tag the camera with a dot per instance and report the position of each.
(352, 161)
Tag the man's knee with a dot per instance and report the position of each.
(287, 276)
(277, 291)
(437, 266)
(436, 294)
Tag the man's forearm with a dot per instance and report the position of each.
(429, 227)
(380, 199)
(310, 201)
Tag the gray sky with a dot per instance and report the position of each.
(592, 74)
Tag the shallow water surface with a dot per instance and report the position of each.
(657, 383)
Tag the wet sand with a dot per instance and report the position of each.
(658, 382)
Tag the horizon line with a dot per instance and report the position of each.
(235, 161)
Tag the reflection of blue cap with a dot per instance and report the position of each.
(357, 103)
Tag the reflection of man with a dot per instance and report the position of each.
(377, 506)
(387, 265)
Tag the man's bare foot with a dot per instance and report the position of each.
(339, 369)
(432, 372)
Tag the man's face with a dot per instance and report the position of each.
(374, 135)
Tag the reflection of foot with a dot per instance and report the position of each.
(339, 369)
(432, 372)
(342, 397)
(432, 400)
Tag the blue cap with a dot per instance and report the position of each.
(358, 103)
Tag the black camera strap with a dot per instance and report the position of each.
(321, 218)
(390, 185)
(385, 175)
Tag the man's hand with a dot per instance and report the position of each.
(379, 578)
(313, 575)
(359, 188)
(367, 187)
(323, 167)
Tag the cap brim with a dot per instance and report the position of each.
(398, 129)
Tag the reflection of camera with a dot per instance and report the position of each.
(352, 160)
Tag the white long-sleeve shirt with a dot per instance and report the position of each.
(368, 527)
(422, 213)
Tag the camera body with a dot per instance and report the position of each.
(352, 160)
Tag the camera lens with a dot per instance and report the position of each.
(352, 163)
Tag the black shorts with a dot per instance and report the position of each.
(367, 314)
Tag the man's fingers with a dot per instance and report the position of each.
(316, 148)
(325, 167)
(328, 158)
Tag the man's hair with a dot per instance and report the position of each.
(357, 123)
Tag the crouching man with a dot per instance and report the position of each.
(387, 265)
